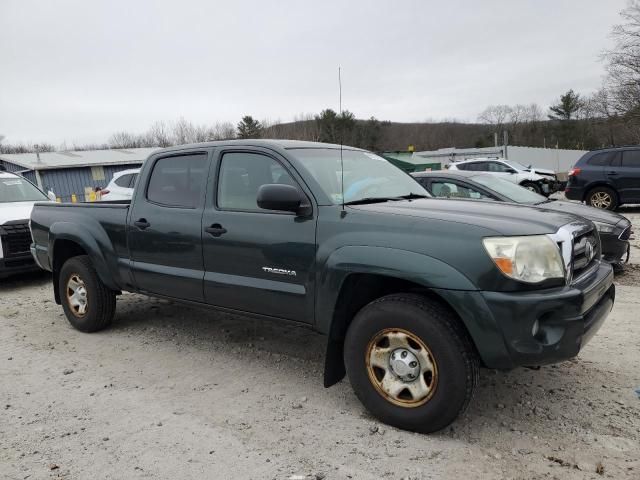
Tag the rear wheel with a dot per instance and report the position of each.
(88, 304)
(602, 197)
(410, 362)
(534, 187)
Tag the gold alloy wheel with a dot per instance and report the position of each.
(77, 296)
(601, 200)
(401, 367)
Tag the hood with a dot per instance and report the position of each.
(590, 213)
(542, 171)
(501, 218)
(11, 211)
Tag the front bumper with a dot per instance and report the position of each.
(614, 250)
(549, 326)
(17, 264)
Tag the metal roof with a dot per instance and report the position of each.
(76, 159)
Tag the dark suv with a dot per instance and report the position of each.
(606, 178)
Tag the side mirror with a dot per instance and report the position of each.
(284, 198)
(51, 196)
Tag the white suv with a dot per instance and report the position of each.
(121, 186)
(538, 180)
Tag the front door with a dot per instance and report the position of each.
(257, 260)
(165, 226)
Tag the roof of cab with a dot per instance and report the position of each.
(259, 142)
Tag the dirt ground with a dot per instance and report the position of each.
(180, 393)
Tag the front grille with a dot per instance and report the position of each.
(15, 237)
(626, 233)
(586, 251)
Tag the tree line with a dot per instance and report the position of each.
(608, 116)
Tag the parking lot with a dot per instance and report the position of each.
(175, 392)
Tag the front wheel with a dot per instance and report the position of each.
(88, 304)
(534, 187)
(410, 362)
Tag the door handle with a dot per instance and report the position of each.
(612, 173)
(142, 223)
(216, 230)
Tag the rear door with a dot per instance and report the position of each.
(165, 226)
(257, 260)
(626, 177)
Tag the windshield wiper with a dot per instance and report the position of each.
(362, 201)
(412, 196)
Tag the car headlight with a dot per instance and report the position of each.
(604, 227)
(530, 259)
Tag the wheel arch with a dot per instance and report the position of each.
(349, 284)
(69, 240)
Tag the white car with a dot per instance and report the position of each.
(17, 197)
(121, 186)
(535, 179)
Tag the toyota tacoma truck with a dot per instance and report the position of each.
(414, 294)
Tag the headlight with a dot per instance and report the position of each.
(605, 227)
(530, 259)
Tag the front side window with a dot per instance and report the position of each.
(16, 189)
(497, 167)
(454, 190)
(631, 158)
(366, 175)
(241, 176)
(178, 181)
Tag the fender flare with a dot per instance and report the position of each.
(95, 242)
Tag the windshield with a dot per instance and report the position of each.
(15, 189)
(366, 175)
(514, 192)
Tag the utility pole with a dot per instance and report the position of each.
(505, 140)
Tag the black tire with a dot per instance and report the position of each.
(602, 197)
(100, 301)
(448, 344)
(534, 187)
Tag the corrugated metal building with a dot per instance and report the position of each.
(74, 173)
(556, 159)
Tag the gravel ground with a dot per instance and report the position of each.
(180, 393)
(175, 392)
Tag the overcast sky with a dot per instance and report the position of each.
(77, 71)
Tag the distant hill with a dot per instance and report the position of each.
(392, 136)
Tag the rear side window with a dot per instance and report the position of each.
(477, 166)
(124, 181)
(631, 158)
(178, 181)
(601, 159)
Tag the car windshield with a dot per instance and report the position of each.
(366, 176)
(16, 189)
(514, 192)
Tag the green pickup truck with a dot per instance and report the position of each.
(413, 293)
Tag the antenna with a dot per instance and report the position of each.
(341, 140)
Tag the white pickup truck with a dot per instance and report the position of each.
(17, 196)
